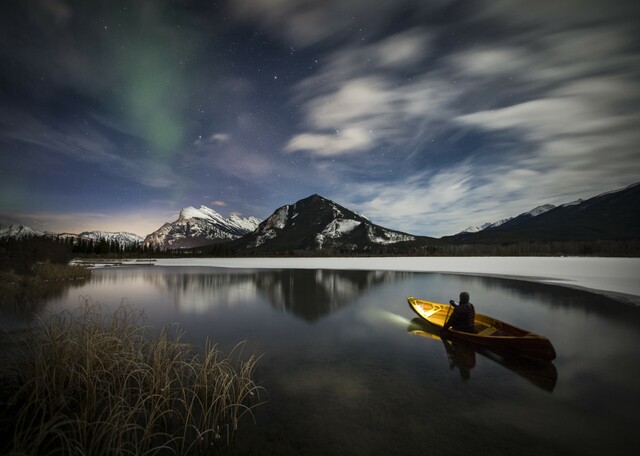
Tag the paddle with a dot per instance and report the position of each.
(446, 319)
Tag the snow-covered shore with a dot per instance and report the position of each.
(615, 277)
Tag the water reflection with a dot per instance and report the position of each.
(313, 294)
(21, 300)
(462, 355)
(307, 294)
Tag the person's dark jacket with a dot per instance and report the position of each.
(462, 318)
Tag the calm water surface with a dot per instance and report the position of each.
(347, 373)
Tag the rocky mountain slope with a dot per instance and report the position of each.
(316, 223)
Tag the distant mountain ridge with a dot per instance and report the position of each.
(22, 232)
(199, 227)
(613, 215)
(122, 237)
(532, 213)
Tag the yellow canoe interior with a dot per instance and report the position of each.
(490, 331)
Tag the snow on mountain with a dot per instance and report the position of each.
(539, 210)
(573, 203)
(386, 237)
(487, 226)
(121, 237)
(339, 227)
(318, 223)
(475, 229)
(201, 226)
(21, 232)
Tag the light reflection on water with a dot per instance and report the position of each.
(345, 376)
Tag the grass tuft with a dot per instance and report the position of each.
(90, 383)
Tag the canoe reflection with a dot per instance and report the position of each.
(462, 355)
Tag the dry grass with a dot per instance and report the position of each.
(53, 271)
(90, 384)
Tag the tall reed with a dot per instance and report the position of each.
(87, 383)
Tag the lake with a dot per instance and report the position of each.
(346, 372)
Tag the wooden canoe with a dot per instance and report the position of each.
(491, 332)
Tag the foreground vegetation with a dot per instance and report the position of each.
(86, 383)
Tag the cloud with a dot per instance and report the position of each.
(553, 14)
(420, 204)
(306, 22)
(215, 138)
(361, 101)
(581, 135)
(343, 141)
(218, 203)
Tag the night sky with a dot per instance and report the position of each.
(424, 116)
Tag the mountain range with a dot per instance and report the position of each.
(21, 232)
(609, 216)
(486, 226)
(318, 224)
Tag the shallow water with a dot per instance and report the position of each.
(347, 372)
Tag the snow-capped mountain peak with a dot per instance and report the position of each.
(203, 213)
(201, 226)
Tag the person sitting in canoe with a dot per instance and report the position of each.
(463, 316)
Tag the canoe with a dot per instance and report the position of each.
(490, 332)
(541, 373)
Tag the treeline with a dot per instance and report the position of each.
(101, 247)
(612, 248)
(19, 255)
(616, 248)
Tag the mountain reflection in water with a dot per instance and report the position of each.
(313, 294)
(307, 294)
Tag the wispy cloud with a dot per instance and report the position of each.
(421, 204)
(306, 22)
(360, 101)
